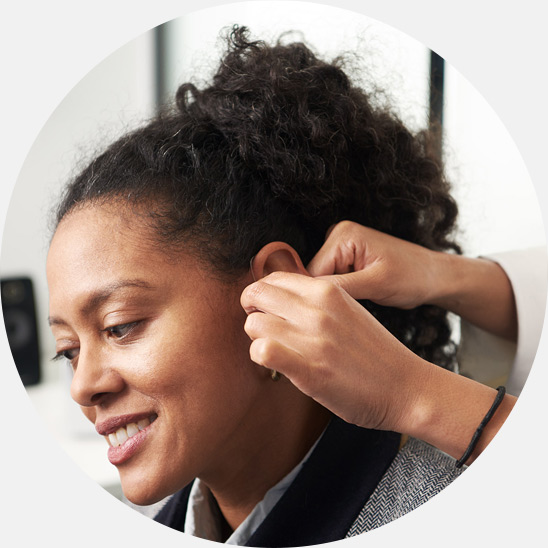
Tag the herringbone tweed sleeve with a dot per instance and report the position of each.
(418, 472)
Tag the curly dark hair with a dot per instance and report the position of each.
(280, 147)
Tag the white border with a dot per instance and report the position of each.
(47, 47)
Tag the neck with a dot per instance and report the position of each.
(272, 443)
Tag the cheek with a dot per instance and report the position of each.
(181, 357)
(210, 371)
(194, 354)
(210, 334)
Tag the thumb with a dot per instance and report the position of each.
(359, 285)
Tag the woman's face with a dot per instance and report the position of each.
(151, 340)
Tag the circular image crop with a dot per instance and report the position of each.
(274, 274)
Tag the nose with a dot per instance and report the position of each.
(94, 380)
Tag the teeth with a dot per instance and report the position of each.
(123, 434)
(143, 424)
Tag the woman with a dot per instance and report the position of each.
(156, 240)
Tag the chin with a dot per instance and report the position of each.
(143, 491)
(143, 497)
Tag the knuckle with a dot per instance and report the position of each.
(262, 351)
(336, 281)
(254, 324)
(345, 229)
(326, 290)
(344, 226)
(276, 275)
(252, 293)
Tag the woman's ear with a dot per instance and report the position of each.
(276, 257)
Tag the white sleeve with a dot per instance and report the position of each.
(492, 360)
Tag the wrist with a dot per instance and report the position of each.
(446, 279)
(476, 289)
(419, 411)
(448, 410)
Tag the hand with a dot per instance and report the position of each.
(369, 264)
(391, 272)
(332, 349)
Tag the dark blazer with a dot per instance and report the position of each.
(326, 497)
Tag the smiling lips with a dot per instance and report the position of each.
(125, 440)
(123, 434)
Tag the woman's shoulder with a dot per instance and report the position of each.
(418, 472)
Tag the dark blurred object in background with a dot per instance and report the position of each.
(20, 321)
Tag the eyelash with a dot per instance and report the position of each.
(124, 326)
(128, 327)
(63, 354)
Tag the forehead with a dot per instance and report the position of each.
(106, 230)
(100, 245)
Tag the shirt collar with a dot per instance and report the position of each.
(204, 519)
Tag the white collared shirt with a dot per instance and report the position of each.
(203, 517)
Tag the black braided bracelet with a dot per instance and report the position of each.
(477, 434)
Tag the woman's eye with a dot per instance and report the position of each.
(69, 354)
(122, 330)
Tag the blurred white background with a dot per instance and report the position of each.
(48, 46)
(498, 206)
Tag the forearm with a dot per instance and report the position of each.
(448, 409)
(478, 291)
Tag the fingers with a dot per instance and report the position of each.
(267, 296)
(344, 245)
(275, 311)
(259, 325)
(304, 320)
(359, 285)
(286, 317)
(279, 293)
(275, 346)
(272, 354)
(332, 258)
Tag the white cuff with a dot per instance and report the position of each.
(527, 271)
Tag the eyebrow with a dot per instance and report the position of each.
(102, 295)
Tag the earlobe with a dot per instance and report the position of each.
(276, 257)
